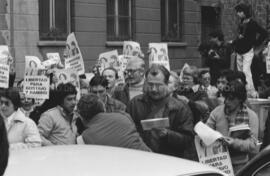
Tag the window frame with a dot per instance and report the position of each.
(52, 32)
(165, 24)
(131, 24)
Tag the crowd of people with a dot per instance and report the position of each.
(111, 114)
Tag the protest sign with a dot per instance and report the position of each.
(266, 52)
(207, 134)
(182, 71)
(215, 155)
(4, 75)
(131, 48)
(75, 59)
(159, 54)
(33, 66)
(36, 86)
(4, 54)
(53, 60)
(108, 59)
(68, 76)
(149, 124)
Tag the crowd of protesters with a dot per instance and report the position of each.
(111, 114)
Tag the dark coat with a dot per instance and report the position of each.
(180, 133)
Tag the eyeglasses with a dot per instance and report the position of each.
(6, 103)
(131, 71)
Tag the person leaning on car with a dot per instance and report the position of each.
(111, 129)
(156, 102)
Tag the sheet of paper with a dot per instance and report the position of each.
(207, 134)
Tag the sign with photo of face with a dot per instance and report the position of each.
(33, 66)
(74, 58)
(108, 59)
(52, 61)
(131, 48)
(159, 54)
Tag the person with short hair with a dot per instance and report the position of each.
(98, 85)
(57, 125)
(134, 79)
(156, 102)
(111, 75)
(250, 35)
(112, 129)
(204, 85)
(22, 131)
(234, 113)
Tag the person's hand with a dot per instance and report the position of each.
(183, 98)
(228, 140)
(161, 132)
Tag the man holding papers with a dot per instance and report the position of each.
(164, 123)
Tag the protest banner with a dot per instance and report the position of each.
(108, 59)
(215, 155)
(33, 66)
(75, 59)
(4, 75)
(36, 86)
(4, 54)
(68, 76)
(52, 61)
(131, 48)
(159, 54)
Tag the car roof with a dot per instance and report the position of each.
(86, 160)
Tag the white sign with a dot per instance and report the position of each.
(131, 48)
(74, 60)
(4, 54)
(267, 57)
(215, 155)
(53, 60)
(108, 59)
(4, 75)
(33, 66)
(68, 76)
(159, 54)
(36, 86)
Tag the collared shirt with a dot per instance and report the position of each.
(27, 113)
(9, 120)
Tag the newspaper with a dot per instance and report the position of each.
(149, 124)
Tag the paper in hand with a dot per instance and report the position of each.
(149, 124)
(207, 134)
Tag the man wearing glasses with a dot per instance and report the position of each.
(134, 78)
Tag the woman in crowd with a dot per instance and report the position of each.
(22, 131)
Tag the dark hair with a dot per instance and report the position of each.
(203, 72)
(13, 95)
(64, 90)
(89, 105)
(217, 34)
(227, 73)
(245, 8)
(4, 147)
(98, 80)
(236, 89)
(238, 75)
(155, 69)
(113, 69)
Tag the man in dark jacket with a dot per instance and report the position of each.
(173, 138)
(250, 35)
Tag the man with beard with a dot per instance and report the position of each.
(57, 125)
(134, 78)
(155, 103)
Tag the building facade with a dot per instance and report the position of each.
(35, 27)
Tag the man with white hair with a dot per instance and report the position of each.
(134, 78)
